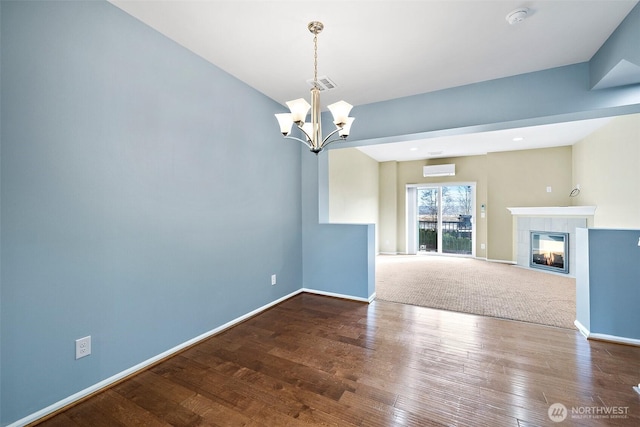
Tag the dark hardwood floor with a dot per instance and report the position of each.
(325, 361)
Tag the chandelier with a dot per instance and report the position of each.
(312, 131)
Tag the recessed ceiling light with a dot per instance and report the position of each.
(518, 138)
(413, 149)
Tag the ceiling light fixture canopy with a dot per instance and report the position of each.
(312, 131)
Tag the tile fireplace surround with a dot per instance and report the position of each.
(554, 218)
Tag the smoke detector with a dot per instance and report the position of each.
(517, 16)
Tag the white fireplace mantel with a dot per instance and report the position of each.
(554, 211)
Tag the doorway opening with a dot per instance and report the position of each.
(440, 219)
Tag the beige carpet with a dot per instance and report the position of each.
(473, 286)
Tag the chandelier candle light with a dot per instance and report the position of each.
(312, 131)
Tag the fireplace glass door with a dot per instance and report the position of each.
(550, 251)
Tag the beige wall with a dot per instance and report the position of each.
(353, 187)
(388, 207)
(521, 178)
(606, 164)
(515, 178)
(361, 190)
(468, 169)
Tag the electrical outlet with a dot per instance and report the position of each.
(482, 246)
(83, 347)
(273, 279)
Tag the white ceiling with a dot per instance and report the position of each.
(525, 138)
(380, 50)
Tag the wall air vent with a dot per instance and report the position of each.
(439, 170)
(324, 83)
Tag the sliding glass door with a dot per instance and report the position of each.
(429, 219)
(443, 219)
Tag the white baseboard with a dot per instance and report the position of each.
(143, 365)
(584, 331)
(606, 337)
(342, 296)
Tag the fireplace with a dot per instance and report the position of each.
(552, 219)
(550, 251)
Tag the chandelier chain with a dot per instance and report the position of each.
(315, 60)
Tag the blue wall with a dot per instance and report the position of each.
(137, 205)
(608, 290)
(618, 60)
(0, 218)
(550, 96)
(337, 258)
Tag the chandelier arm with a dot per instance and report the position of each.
(305, 134)
(299, 140)
(324, 141)
(325, 144)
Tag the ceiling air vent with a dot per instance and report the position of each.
(324, 83)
